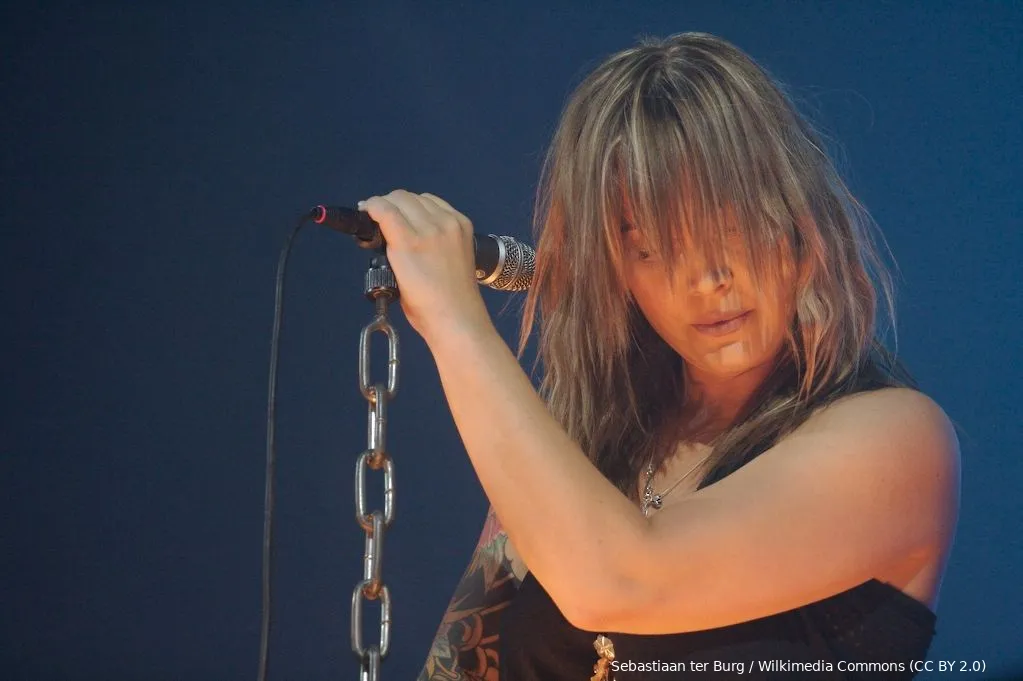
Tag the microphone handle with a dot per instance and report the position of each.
(502, 263)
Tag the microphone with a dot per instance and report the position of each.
(502, 263)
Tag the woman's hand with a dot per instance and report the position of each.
(430, 250)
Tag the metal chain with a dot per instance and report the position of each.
(381, 287)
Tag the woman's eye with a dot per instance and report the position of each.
(645, 256)
(639, 250)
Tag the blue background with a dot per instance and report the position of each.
(154, 159)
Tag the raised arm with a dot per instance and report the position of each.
(466, 644)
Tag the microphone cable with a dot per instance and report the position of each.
(271, 454)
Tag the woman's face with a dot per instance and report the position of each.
(678, 308)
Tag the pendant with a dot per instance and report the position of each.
(651, 502)
(606, 650)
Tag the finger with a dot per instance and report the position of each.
(430, 207)
(429, 217)
(438, 201)
(423, 215)
(402, 213)
(464, 222)
(395, 226)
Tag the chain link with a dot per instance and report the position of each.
(381, 288)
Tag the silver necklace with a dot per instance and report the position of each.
(655, 501)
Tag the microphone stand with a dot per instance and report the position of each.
(382, 289)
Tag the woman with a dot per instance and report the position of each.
(689, 486)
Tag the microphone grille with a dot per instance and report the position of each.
(517, 270)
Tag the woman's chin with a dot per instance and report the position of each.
(733, 356)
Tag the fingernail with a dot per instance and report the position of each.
(360, 204)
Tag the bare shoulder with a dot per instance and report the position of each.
(904, 419)
(891, 412)
(899, 441)
(897, 428)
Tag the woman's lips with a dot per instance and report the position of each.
(723, 328)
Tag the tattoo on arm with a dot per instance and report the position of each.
(466, 645)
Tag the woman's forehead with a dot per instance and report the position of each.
(722, 221)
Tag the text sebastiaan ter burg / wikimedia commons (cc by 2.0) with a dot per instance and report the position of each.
(734, 667)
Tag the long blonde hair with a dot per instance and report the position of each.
(689, 128)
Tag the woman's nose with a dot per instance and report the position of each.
(711, 279)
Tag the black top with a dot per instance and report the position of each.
(874, 622)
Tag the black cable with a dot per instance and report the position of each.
(271, 456)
